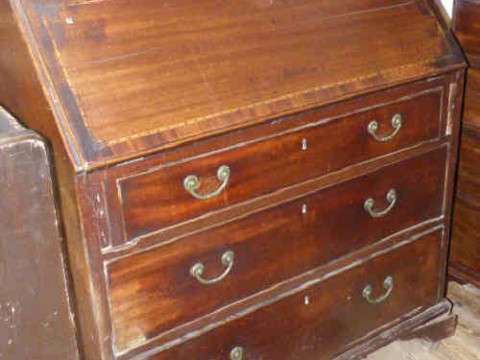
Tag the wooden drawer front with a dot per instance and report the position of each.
(320, 321)
(153, 291)
(158, 198)
(469, 165)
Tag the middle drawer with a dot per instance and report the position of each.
(172, 284)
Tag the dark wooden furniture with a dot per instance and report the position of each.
(465, 248)
(244, 179)
(35, 305)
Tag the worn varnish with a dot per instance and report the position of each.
(281, 243)
(135, 96)
(318, 320)
(36, 313)
(156, 199)
(465, 252)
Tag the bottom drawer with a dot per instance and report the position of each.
(323, 319)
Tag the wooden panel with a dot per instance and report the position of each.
(153, 291)
(172, 71)
(465, 248)
(469, 164)
(158, 199)
(465, 245)
(471, 114)
(322, 319)
(467, 25)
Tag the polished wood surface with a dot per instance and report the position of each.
(465, 249)
(125, 90)
(171, 71)
(315, 317)
(158, 199)
(236, 143)
(153, 291)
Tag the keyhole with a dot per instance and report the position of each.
(304, 144)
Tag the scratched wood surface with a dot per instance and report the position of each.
(464, 345)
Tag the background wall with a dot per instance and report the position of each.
(448, 5)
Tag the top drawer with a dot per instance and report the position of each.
(173, 193)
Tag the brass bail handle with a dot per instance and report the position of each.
(197, 270)
(396, 124)
(190, 183)
(369, 204)
(236, 353)
(387, 285)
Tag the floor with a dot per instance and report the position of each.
(465, 345)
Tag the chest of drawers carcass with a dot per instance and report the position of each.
(248, 179)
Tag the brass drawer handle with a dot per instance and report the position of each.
(370, 203)
(190, 183)
(236, 353)
(197, 270)
(387, 285)
(396, 123)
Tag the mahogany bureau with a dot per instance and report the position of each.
(249, 179)
(465, 249)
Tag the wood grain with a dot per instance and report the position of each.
(23, 94)
(465, 248)
(128, 87)
(466, 26)
(172, 71)
(314, 325)
(157, 199)
(469, 165)
(153, 291)
(472, 99)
